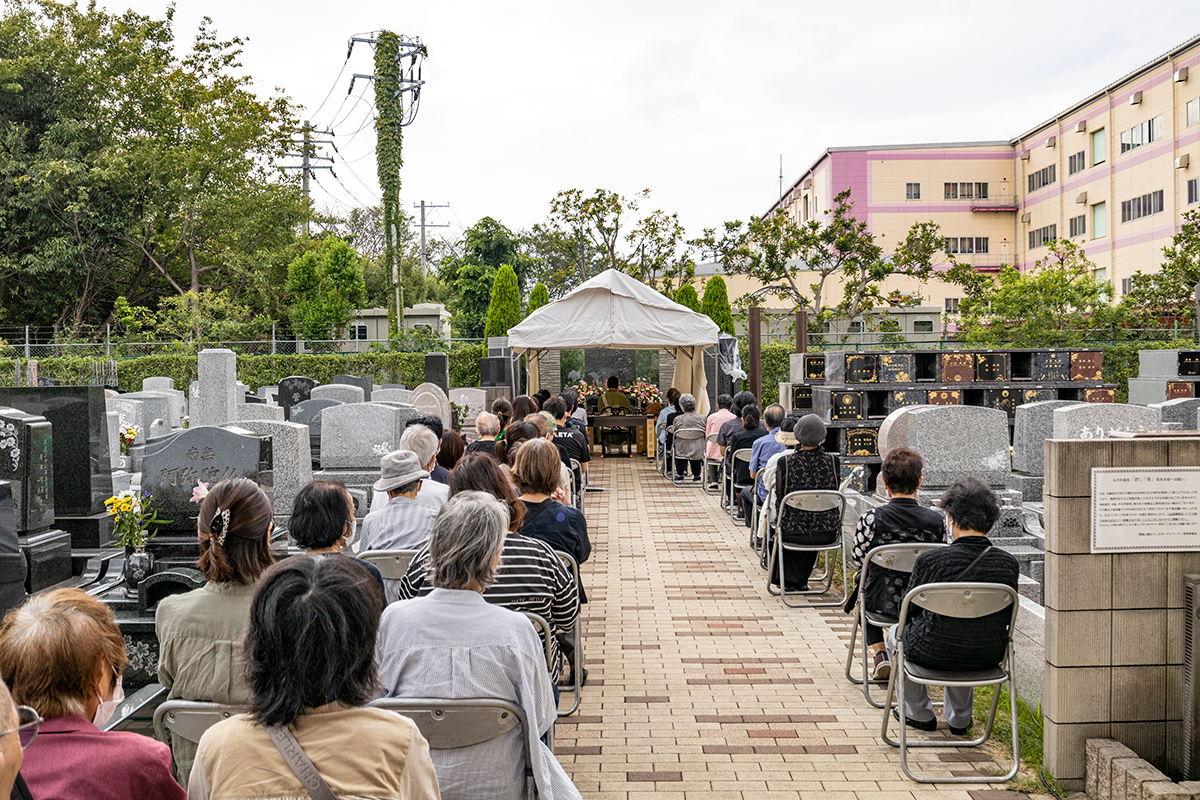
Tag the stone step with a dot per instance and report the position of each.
(1028, 587)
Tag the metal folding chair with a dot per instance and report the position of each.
(451, 724)
(392, 564)
(685, 435)
(189, 719)
(898, 558)
(809, 501)
(717, 464)
(962, 601)
(623, 436)
(760, 526)
(576, 640)
(577, 469)
(734, 486)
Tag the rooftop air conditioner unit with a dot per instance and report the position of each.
(1191, 678)
(1081, 126)
(1051, 141)
(1026, 217)
(807, 184)
(1181, 75)
(1183, 161)
(1135, 98)
(1024, 155)
(1081, 197)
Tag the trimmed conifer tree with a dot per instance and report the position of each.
(686, 295)
(716, 304)
(504, 310)
(540, 296)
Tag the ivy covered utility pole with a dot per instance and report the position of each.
(397, 77)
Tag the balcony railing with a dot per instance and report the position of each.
(994, 204)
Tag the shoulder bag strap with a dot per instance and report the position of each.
(532, 516)
(972, 564)
(20, 790)
(298, 760)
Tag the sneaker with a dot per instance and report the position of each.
(696, 479)
(927, 725)
(883, 667)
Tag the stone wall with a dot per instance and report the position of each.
(1114, 622)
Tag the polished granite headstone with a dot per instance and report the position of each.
(1033, 426)
(218, 392)
(600, 364)
(1099, 420)
(1182, 410)
(366, 384)
(26, 462)
(293, 390)
(429, 399)
(309, 413)
(953, 441)
(291, 462)
(437, 370)
(356, 435)
(342, 392)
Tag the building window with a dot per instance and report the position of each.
(966, 191)
(1077, 162)
(1100, 274)
(1099, 220)
(1193, 191)
(1193, 112)
(1126, 285)
(1142, 206)
(855, 326)
(1099, 151)
(923, 326)
(360, 333)
(1078, 225)
(952, 305)
(1042, 235)
(912, 191)
(1043, 177)
(1143, 133)
(966, 244)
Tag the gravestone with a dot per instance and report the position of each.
(114, 438)
(158, 384)
(430, 399)
(1182, 410)
(387, 395)
(268, 393)
(82, 465)
(309, 413)
(174, 465)
(291, 459)
(366, 384)
(437, 370)
(293, 390)
(342, 392)
(26, 462)
(259, 411)
(953, 441)
(217, 391)
(156, 405)
(129, 412)
(1098, 420)
(472, 401)
(357, 435)
(1033, 426)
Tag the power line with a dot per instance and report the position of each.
(331, 88)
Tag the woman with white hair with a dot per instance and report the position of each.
(690, 451)
(453, 644)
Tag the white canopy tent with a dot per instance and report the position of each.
(618, 312)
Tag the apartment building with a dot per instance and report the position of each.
(1113, 173)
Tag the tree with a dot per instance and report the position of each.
(327, 287)
(716, 304)
(486, 246)
(1159, 298)
(686, 296)
(504, 310)
(1055, 304)
(537, 298)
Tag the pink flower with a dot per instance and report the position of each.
(199, 492)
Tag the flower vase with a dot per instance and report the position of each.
(139, 564)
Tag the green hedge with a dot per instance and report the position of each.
(264, 370)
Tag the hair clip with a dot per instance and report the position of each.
(220, 525)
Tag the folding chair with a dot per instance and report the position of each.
(137, 709)
(898, 558)
(685, 435)
(577, 469)
(545, 633)
(962, 601)
(718, 464)
(189, 719)
(621, 435)
(451, 724)
(576, 641)
(734, 486)
(392, 564)
(811, 501)
(761, 521)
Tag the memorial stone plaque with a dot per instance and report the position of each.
(366, 384)
(1100, 395)
(1036, 395)
(437, 371)
(835, 367)
(1034, 424)
(1052, 365)
(218, 392)
(1087, 365)
(958, 367)
(472, 401)
(129, 412)
(908, 397)
(1189, 363)
(430, 399)
(862, 442)
(390, 395)
(357, 435)
(1099, 420)
(293, 390)
(846, 405)
(954, 441)
(1179, 389)
(991, 366)
(862, 368)
(291, 459)
(943, 397)
(1003, 399)
(897, 368)
(173, 466)
(814, 367)
(27, 463)
(802, 397)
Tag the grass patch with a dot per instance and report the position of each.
(1029, 728)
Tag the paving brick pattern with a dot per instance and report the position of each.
(701, 685)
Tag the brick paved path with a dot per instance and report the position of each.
(702, 685)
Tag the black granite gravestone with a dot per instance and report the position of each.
(293, 390)
(12, 562)
(309, 413)
(437, 370)
(27, 463)
(353, 380)
(173, 466)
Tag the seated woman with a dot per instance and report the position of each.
(451, 450)
(310, 661)
(751, 430)
(538, 476)
(523, 405)
(805, 468)
(200, 632)
(452, 643)
(322, 522)
(691, 451)
(504, 412)
(63, 655)
(660, 424)
(531, 576)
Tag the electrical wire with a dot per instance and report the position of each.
(355, 174)
(331, 88)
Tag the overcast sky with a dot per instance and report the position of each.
(693, 100)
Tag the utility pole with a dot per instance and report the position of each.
(423, 205)
(307, 156)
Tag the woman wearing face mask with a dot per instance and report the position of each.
(200, 632)
(76, 689)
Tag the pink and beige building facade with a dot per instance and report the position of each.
(1114, 173)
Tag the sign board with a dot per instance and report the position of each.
(1145, 509)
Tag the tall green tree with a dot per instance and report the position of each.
(1158, 298)
(504, 310)
(716, 304)
(327, 287)
(539, 297)
(468, 275)
(686, 296)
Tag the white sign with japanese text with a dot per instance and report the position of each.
(1145, 509)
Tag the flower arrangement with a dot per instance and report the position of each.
(129, 435)
(134, 514)
(643, 392)
(586, 389)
